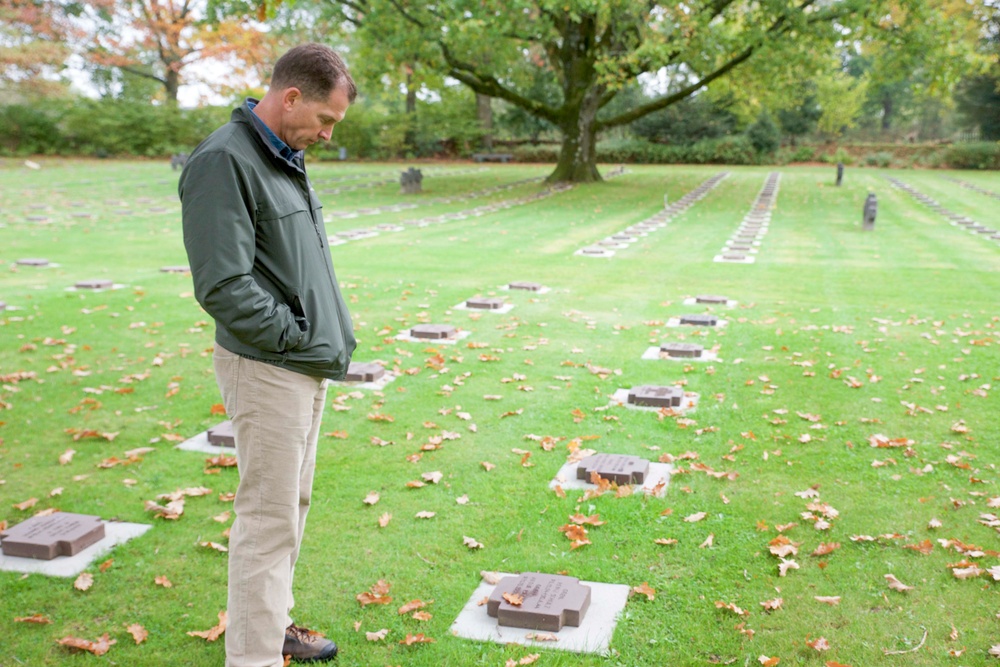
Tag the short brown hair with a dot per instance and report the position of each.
(316, 70)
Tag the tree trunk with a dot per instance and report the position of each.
(578, 155)
(410, 137)
(172, 83)
(484, 111)
(887, 109)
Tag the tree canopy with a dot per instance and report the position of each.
(593, 49)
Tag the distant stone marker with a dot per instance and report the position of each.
(530, 287)
(489, 303)
(222, 434)
(682, 350)
(3, 305)
(655, 396)
(734, 256)
(33, 261)
(364, 372)
(550, 601)
(699, 320)
(175, 269)
(870, 211)
(617, 468)
(94, 284)
(433, 331)
(45, 537)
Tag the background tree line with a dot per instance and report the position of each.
(576, 82)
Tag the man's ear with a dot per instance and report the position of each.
(290, 97)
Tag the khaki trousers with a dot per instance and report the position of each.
(276, 418)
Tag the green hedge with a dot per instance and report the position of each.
(974, 155)
(727, 150)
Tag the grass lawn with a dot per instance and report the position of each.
(838, 335)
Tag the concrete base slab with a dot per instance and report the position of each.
(433, 341)
(745, 260)
(200, 443)
(658, 473)
(70, 566)
(506, 308)
(654, 354)
(592, 636)
(620, 399)
(674, 322)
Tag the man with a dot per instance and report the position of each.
(257, 246)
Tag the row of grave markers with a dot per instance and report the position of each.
(632, 233)
(743, 246)
(404, 206)
(976, 188)
(390, 181)
(957, 220)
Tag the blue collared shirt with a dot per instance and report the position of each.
(293, 157)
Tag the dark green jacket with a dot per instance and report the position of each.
(257, 246)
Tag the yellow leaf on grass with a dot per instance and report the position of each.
(84, 581)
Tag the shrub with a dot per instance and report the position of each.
(880, 159)
(764, 135)
(28, 130)
(973, 155)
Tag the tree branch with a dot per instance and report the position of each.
(139, 72)
(777, 28)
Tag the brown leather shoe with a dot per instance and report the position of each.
(306, 645)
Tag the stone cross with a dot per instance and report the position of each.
(545, 601)
(45, 537)
(411, 181)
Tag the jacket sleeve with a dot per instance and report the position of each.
(219, 235)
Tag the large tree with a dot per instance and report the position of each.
(157, 39)
(595, 48)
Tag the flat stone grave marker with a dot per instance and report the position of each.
(364, 372)
(45, 537)
(3, 305)
(37, 218)
(94, 284)
(617, 468)
(700, 320)
(682, 350)
(593, 251)
(33, 261)
(175, 269)
(622, 237)
(487, 303)
(739, 247)
(550, 601)
(734, 256)
(433, 331)
(222, 434)
(530, 287)
(656, 396)
(711, 298)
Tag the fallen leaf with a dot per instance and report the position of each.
(377, 594)
(541, 637)
(772, 605)
(417, 639)
(163, 581)
(425, 515)
(384, 520)
(768, 662)
(644, 589)
(819, 644)
(422, 616)
(34, 618)
(897, 585)
(377, 636)
(413, 605)
(138, 632)
(471, 543)
(84, 581)
(27, 504)
(212, 633)
(99, 647)
(731, 607)
(832, 600)
(697, 516)
(513, 599)
(825, 548)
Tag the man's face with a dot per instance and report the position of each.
(307, 121)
